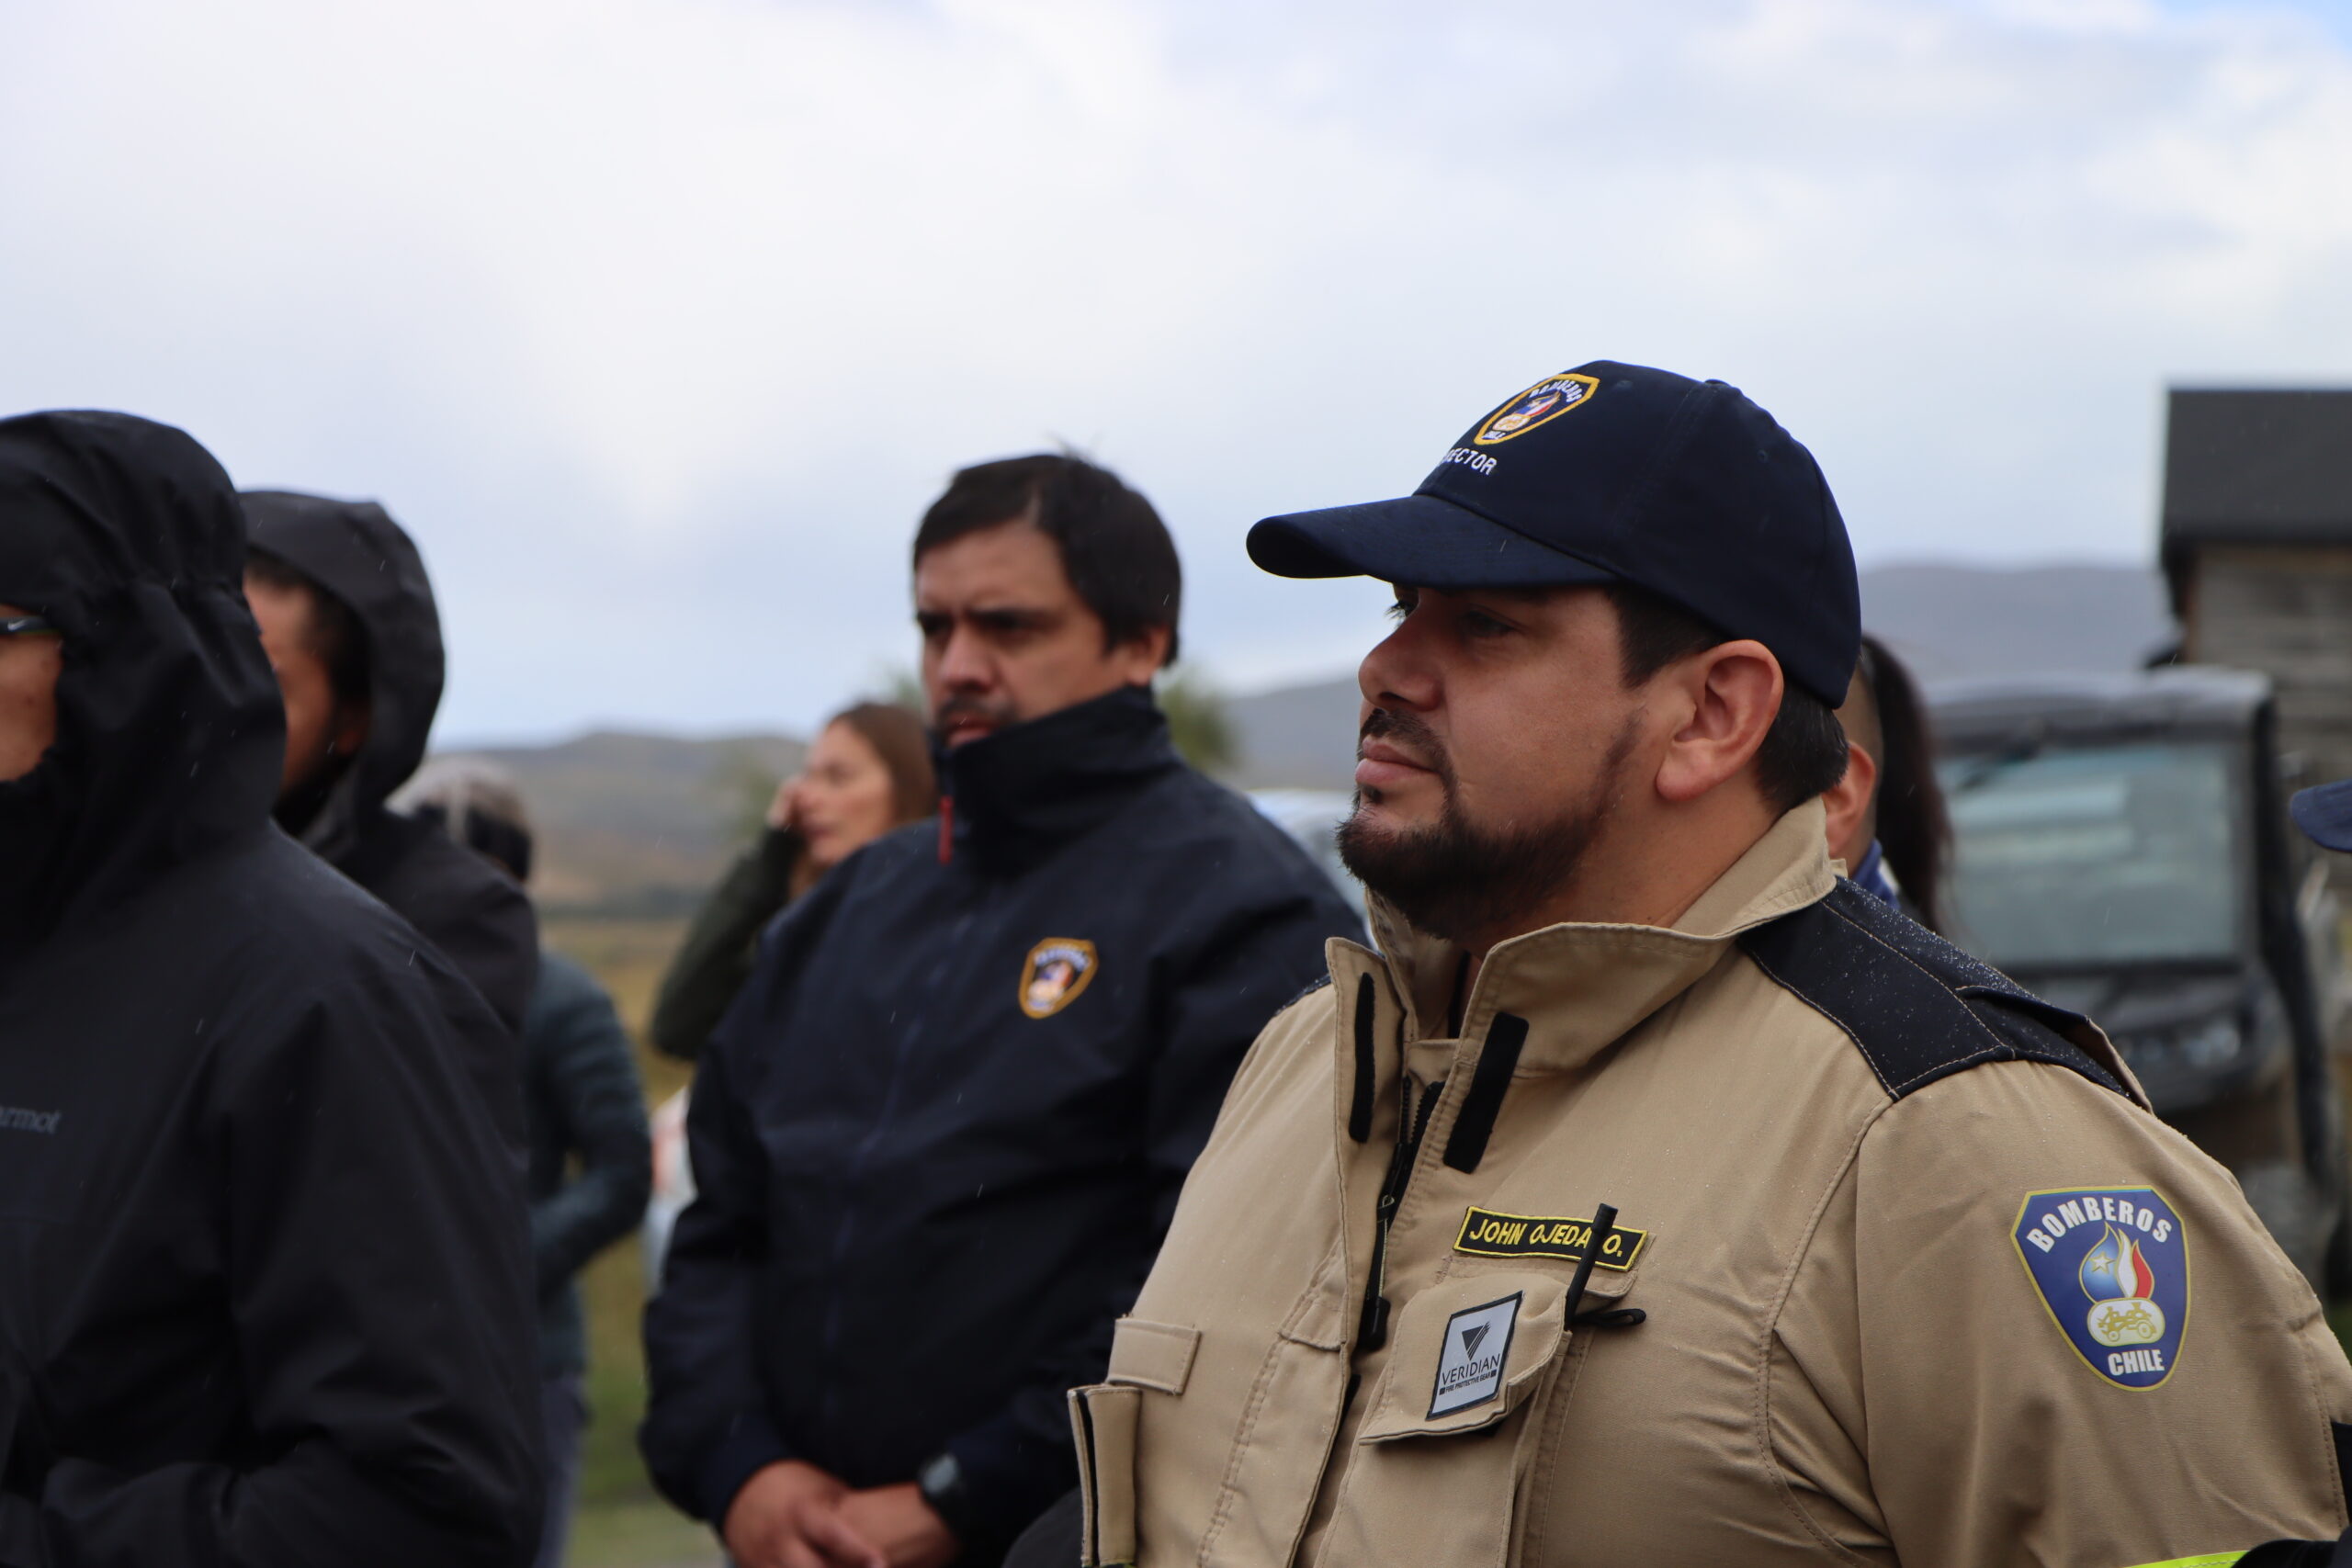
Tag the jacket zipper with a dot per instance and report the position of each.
(1372, 1326)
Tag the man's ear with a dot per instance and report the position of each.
(1849, 800)
(1732, 694)
(1142, 656)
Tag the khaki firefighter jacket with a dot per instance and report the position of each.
(1901, 1272)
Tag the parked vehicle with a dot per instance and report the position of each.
(2122, 848)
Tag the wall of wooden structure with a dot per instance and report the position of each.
(2286, 611)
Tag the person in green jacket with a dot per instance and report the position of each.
(868, 773)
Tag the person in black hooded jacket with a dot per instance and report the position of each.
(347, 616)
(265, 1287)
(939, 1135)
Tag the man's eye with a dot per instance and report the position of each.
(1399, 610)
(1477, 623)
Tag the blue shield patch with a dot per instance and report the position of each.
(2112, 1265)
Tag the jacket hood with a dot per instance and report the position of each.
(355, 551)
(170, 729)
(1020, 792)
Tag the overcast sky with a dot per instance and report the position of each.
(657, 322)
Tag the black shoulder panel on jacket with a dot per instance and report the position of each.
(1917, 1007)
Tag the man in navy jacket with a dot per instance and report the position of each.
(940, 1135)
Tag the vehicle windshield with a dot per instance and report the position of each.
(2083, 856)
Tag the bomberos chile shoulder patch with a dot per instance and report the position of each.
(1057, 969)
(2112, 1265)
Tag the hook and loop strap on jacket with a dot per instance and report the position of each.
(1489, 1081)
(1367, 1064)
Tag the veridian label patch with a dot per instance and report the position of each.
(1485, 1234)
(1057, 969)
(2112, 1265)
(1470, 1363)
(1540, 404)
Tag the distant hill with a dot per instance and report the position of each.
(1944, 621)
(1948, 622)
(642, 824)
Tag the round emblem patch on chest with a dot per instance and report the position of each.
(1057, 969)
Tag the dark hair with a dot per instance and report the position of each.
(1805, 751)
(899, 739)
(1114, 545)
(1914, 828)
(336, 635)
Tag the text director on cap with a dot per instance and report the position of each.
(1899, 1264)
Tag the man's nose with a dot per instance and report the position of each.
(964, 663)
(1398, 671)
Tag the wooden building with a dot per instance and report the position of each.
(2257, 552)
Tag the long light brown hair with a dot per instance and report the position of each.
(898, 738)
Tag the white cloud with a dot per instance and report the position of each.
(658, 323)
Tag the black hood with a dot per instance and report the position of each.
(170, 730)
(355, 551)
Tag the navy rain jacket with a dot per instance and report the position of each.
(264, 1282)
(939, 1136)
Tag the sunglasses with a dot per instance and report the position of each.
(26, 626)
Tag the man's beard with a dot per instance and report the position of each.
(1461, 882)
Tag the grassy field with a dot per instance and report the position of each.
(620, 1522)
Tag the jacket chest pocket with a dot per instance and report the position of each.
(1188, 1456)
(1447, 1454)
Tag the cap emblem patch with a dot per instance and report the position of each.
(1540, 404)
(1057, 969)
(2112, 1265)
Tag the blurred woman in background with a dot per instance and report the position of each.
(868, 773)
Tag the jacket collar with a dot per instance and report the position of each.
(1020, 794)
(1580, 986)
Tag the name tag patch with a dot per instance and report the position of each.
(1485, 1234)
(1470, 1363)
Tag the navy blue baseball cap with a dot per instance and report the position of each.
(2325, 813)
(1617, 473)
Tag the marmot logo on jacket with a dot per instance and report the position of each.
(17, 1119)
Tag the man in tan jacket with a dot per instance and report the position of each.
(1653, 1196)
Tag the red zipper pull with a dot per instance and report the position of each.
(946, 829)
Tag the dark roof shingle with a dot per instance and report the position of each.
(2268, 466)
